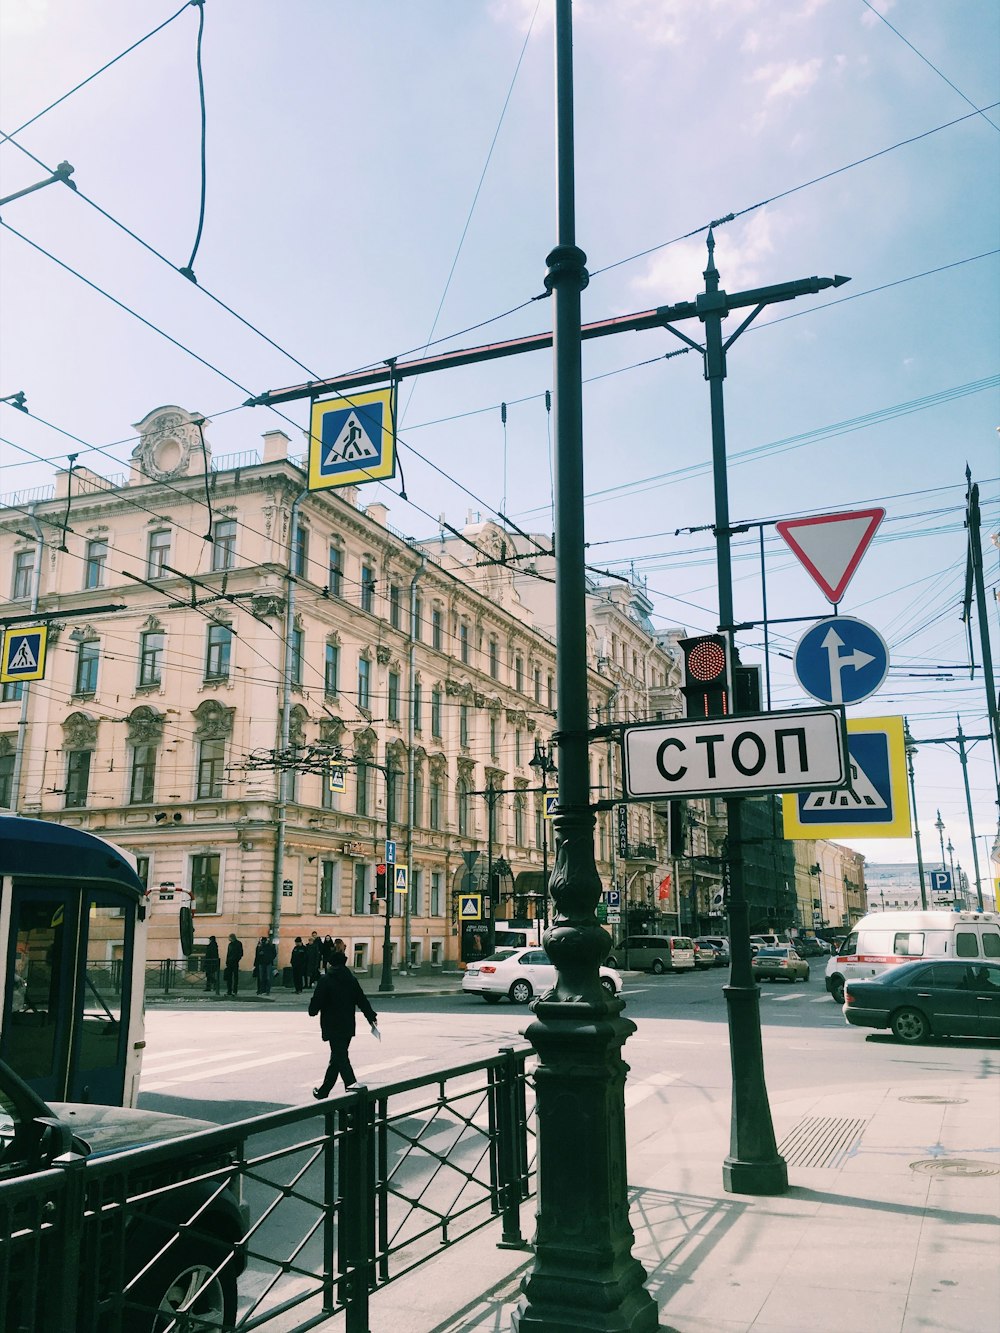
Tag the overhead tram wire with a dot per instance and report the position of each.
(929, 63)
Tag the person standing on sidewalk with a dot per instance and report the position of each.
(314, 956)
(335, 999)
(212, 965)
(299, 962)
(263, 964)
(234, 952)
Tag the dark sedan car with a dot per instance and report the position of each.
(917, 1000)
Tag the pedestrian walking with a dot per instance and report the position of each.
(335, 1000)
(263, 963)
(234, 952)
(212, 965)
(314, 955)
(299, 964)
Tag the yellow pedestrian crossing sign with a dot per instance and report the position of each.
(399, 878)
(352, 440)
(470, 907)
(337, 778)
(551, 806)
(24, 653)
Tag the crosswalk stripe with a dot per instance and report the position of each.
(638, 1092)
(822, 999)
(157, 1084)
(783, 999)
(158, 1065)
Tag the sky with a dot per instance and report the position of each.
(380, 174)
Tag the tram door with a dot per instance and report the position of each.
(65, 1011)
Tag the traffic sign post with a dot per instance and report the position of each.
(941, 886)
(771, 752)
(841, 660)
(874, 805)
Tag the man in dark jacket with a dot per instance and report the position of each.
(299, 964)
(335, 999)
(234, 952)
(314, 954)
(211, 960)
(263, 963)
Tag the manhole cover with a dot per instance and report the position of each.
(954, 1166)
(937, 1101)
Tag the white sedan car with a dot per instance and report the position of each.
(521, 974)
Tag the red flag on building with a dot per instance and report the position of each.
(664, 890)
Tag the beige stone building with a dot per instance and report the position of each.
(829, 885)
(198, 625)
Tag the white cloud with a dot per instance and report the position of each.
(789, 80)
(883, 6)
(741, 250)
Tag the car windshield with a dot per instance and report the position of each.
(772, 953)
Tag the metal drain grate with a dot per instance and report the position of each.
(936, 1101)
(822, 1141)
(954, 1166)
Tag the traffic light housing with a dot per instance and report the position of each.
(707, 686)
(380, 880)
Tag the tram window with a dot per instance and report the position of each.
(100, 1029)
(33, 1036)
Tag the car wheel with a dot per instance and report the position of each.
(520, 992)
(182, 1281)
(492, 999)
(657, 969)
(806, 977)
(910, 1026)
(838, 990)
(608, 985)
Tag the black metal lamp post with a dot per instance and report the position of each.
(542, 763)
(385, 982)
(584, 1274)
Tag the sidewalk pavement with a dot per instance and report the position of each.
(404, 985)
(890, 1224)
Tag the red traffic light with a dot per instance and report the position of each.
(380, 869)
(706, 660)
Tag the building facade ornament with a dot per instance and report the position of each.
(331, 730)
(267, 604)
(383, 654)
(214, 720)
(167, 438)
(79, 732)
(145, 725)
(297, 720)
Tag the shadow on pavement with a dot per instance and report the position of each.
(884, 1206)
(674, 1233)
(935, 1043)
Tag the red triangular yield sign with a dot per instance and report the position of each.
(830, 546)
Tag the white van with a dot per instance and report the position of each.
(883, 939)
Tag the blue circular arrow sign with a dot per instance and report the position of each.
(841, 660)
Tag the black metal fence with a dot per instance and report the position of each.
(273, 1223)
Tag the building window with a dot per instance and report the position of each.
(416, 892)
(367, 588)
(519, 673)
(335, 573)
(224, 543)
(494, 659)
(463, 642)
(300, 552)
(550, 691)
(436, 713)
(517, 747)
(393, 700)
(437, 903)
(143, 774)
(434, 812)
(538, 684)
(462, 795)
(142, 870)
(331, 670)
(364, 682)
(361, 788)
(11, 691)
(96, 566)
(329, 888)
(437, 953)
(416, 952)
(362, 903)
(437, 631)
(494, 732)
(463, 724)
(418, 706)
(418, 799)
(219, 645)
(418, 618)
(393, 787)
(87, 657)
(6, 781)
(24, 569)
(158, 554)
(151, 657)
(395, 606)
(298, 653)
(519, 838)
(211, 757)
(77, 778)
(205, 883)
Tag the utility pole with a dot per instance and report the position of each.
(385, 981)
(961, 740)
(974, 573)
(910, 747)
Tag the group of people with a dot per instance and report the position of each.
(320, 964)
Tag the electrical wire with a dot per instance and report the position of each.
(188, 270)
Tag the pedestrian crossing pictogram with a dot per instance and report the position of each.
(873, 804)
(862, 794)
(352, 440)
(24, 654)
(470, 907)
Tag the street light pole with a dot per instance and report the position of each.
(584, 1274)
(385, 984)
(910, 747)
(542, 763)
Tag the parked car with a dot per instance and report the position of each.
(654, 953)
(780, 963)
(809, 948)
(521, 974)
(922, 999)
(704, 955)
(883, 939)
(35, 1137)
(719, 944)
